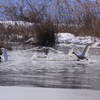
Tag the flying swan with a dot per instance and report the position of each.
(43, 49)
(85, 50)
(46, 50)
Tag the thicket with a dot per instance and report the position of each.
(81, 18)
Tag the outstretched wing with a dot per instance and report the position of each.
(95, 44)
(76, 49)
(43, 48)
(55, 50)
(35, 48)
(87, 47)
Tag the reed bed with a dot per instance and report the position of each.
(81, 18)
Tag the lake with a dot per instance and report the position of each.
(54, 71)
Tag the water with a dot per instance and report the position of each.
(55, 71)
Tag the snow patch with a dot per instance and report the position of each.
(70, 38)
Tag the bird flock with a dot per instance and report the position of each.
(73, 51)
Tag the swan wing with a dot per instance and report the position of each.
(77, 50)
(55, 50)
(35, 48)
(74, 48)
(87, 47)
(94, 44)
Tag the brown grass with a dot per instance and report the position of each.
(81, 19)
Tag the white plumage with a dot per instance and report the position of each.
(46, 50)
(85, 50)
(43, 49)
(42, 52)
(5, 54)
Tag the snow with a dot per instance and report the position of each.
(70, 38)
(29, 93)
(7, 23)
(66, 38)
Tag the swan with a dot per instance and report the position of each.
(42, 52)
(85, 50)
(46, 50)
(4, 54)
(43, 49)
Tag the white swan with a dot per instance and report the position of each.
(46, 50)
(85, 50)
(43, 49)
(4, 54)
(42, 52)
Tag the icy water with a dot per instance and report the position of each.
(55, 71)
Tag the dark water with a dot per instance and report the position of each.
(56, 72)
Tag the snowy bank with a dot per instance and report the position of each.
(29, 93)
(67, 38)
(22, 23)
(70, 38)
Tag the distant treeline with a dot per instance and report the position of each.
(81, 18)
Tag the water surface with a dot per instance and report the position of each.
(55, 71)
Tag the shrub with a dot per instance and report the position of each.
(46, 34)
